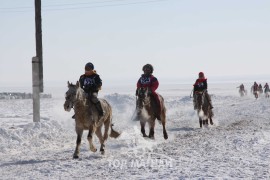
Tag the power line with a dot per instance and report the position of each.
(110, 5)
(51, 7)
(55, 5)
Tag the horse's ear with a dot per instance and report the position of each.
(68, 83)
(78, 84)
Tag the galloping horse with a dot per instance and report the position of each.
(203, 108)
(147, 112)
(255, 91)
(266, 92)
(242, 92)
(87, 118)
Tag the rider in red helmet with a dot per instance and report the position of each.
(201, 85)
(148, 80)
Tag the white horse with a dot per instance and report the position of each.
(87, 118)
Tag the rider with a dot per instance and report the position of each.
(199, 86)
(148, 80)
(255, 87)
(242, 88)
(91, 83)
(266, 87)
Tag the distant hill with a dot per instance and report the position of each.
(18, 95)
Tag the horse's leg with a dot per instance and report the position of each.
(211, 121)
(90, 138)
(151, 128)
(163, 121)
(142, 122)
(78, 143)
(101, 139)
(200, 120)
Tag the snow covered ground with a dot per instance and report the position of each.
(236, 147)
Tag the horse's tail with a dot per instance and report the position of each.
(114, 134)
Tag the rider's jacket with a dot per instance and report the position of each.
(200, 85)
(90, 83)
(148, 81)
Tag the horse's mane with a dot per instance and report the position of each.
(80, 94)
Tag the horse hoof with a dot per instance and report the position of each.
(75, 156)
(144, 135)
(102, 152)
(165, 136)
(93, 149)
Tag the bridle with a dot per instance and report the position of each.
(143, 97)
(71, 97)
(200, 94)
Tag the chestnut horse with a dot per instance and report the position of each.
(147, 112)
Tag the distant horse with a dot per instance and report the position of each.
(242, 92)
(266, 92)
(260, 90)
(147, 112)
(203, 108)
(87, 118)
(254, 91)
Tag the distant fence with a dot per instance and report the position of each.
(17, 95)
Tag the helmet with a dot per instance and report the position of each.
(89, 66)
(148, 66)
(201, 74)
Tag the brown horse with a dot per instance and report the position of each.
(255, 91)
(147, 112)
(204, 111)
(266, 92)
(87, 118)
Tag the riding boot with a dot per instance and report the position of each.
(99, 108)
(194, 103)
(157, 110)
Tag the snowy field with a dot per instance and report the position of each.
(237, 146)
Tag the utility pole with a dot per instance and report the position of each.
(39, 41)
(37, 65)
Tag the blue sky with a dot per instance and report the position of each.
(179, 37)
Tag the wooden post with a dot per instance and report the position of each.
(39, 41)
(36, 89)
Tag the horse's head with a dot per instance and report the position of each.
(199, 99)
(143, 97)
(70, 96)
